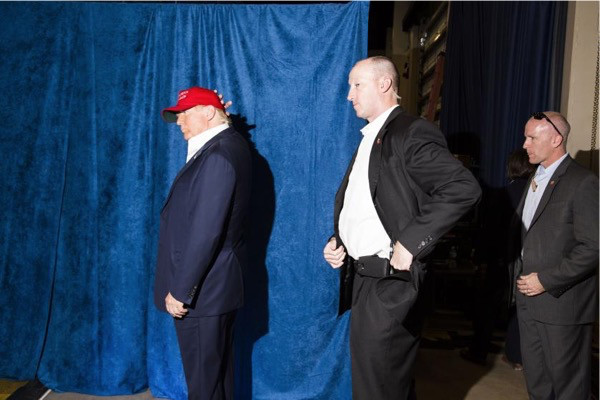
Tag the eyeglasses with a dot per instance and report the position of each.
(541, 115)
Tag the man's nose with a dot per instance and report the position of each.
(350, 96)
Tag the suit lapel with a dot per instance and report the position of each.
(192, 160)
(375, 157)
(554, 179)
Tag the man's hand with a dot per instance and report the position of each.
(530, 285)
(333, 254)
(226, 105)
(401, 258)
(175, 307)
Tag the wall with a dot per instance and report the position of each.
(581, 50)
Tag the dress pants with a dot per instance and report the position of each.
(206, 346)
(385, 325)
(556, 358)
(512, 345)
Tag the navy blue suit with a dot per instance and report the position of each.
(201, 253)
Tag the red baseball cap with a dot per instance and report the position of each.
(192, 97)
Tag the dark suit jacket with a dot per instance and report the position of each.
(561, 245)
(201, 250)
(419, 189)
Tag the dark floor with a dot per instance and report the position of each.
(440, 372)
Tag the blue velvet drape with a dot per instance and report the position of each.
(86, 163)
(503, 62)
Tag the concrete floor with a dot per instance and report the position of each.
(77, 396)
(440, 374)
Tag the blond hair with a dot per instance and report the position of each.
(222, 116)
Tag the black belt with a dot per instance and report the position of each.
(377, 267)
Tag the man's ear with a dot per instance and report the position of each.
(209, 112)
(557, 140)
(385, 84)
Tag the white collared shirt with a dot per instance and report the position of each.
(195, 143)
(542, 177)
(360, 228)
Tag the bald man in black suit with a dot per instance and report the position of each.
(402, 192)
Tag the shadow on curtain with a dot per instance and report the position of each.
(503, 62)
(87, 162)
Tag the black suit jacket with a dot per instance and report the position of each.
(201, 250)
(419, 189)
(561, 245)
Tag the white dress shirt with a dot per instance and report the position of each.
(360, 227)
(542, 177)
(195, 143)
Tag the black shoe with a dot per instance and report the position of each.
(33, 390)
(468, 355)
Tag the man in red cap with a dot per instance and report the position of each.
(201, 250)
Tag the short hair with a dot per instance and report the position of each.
(518, 165)
(384, 66)
(222, 116)
(561, 123)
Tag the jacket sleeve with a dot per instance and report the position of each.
(210, 196)
(449, 189)
(581, 260)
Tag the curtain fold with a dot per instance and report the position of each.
(503, 62)
(87, 163)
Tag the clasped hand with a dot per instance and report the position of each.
(333, 254)
(401, 258)
(175, 307)
(530, 285)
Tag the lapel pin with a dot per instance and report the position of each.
(378, 140)
(551, 183)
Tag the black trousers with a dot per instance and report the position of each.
(512, 345)
(489, 306)
(556, 358)
(385, 327)
(206, 346)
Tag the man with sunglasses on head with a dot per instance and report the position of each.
(557, 271)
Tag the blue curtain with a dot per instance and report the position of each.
(503, 62)
(86, 163)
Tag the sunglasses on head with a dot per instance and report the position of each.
(541, 115)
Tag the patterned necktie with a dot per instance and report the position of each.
(534, 185)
